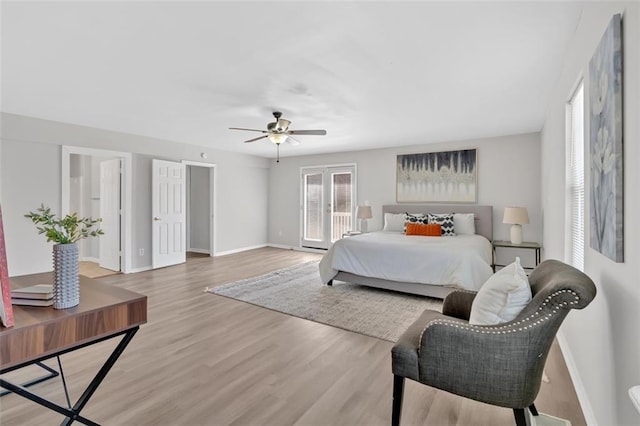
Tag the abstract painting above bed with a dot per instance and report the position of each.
(448, 176)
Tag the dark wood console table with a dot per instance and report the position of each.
(41, 333)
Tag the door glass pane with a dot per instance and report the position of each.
(313, 207)
(342, 205)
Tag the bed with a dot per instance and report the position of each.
(429, 266)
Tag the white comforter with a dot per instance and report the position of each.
(462, 261)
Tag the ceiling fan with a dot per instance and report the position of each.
(278, 132)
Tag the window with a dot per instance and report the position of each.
(575, 179)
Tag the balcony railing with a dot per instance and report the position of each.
(340, 225)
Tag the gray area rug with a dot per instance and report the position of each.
(298, 291)
(548, 420)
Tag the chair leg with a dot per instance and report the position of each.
(522, 419)
(533, 409)
(398, 392)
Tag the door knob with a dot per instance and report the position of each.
(156, 218)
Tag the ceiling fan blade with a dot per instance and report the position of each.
(250, 130)
(292, 141)
(255, 139)
(307, 132)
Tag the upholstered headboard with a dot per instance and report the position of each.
(483, 214)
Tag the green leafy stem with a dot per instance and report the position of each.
(66, 230)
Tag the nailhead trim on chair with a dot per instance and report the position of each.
(505, 329)
(465, 291)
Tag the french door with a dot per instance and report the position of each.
(328, 204)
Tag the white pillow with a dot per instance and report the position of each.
(393, 222)
(501, 297)
(464, 223)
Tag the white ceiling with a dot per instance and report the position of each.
(373, 74)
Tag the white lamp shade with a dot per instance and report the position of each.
(516, 216)
(364, 212)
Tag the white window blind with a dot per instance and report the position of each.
(575, 179)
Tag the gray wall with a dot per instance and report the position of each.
(508, 174)
(602, 343)
(30, 176)
(31, 150)
(198, 205)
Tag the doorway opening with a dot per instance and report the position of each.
(97, 183)
(200, 205)
(183, 211)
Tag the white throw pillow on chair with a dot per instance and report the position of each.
(502, 296)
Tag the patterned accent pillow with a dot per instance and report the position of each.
(415, 218)
(446, 221)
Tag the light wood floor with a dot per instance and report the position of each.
(205, 359)
(93, 270)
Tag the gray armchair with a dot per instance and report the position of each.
(500, 364)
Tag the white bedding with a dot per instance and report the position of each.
(462, 261)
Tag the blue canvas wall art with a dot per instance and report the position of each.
(605, 143)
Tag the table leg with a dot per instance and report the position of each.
(493, 259)
(93, 386)
(73, 414)
(52, 373)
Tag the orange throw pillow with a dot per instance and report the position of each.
(430, 230)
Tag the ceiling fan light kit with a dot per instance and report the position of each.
(277, 138)
(278, 132)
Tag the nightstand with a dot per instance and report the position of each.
(525, 245)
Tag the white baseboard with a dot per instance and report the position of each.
(197, 250)
(310, 250)
(281, 246)
(239, 250)
(90, 259)
(305, 249)
(583, 398)
(135, 270)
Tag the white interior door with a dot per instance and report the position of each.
(212, 205)
(168, 197)
(109, 243)
(76, 191)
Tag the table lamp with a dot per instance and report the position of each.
(363, 213)
(516, 217)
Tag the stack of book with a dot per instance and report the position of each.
(35, 295)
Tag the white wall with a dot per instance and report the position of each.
(31, 164)
(508, 174)
(601, 343)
